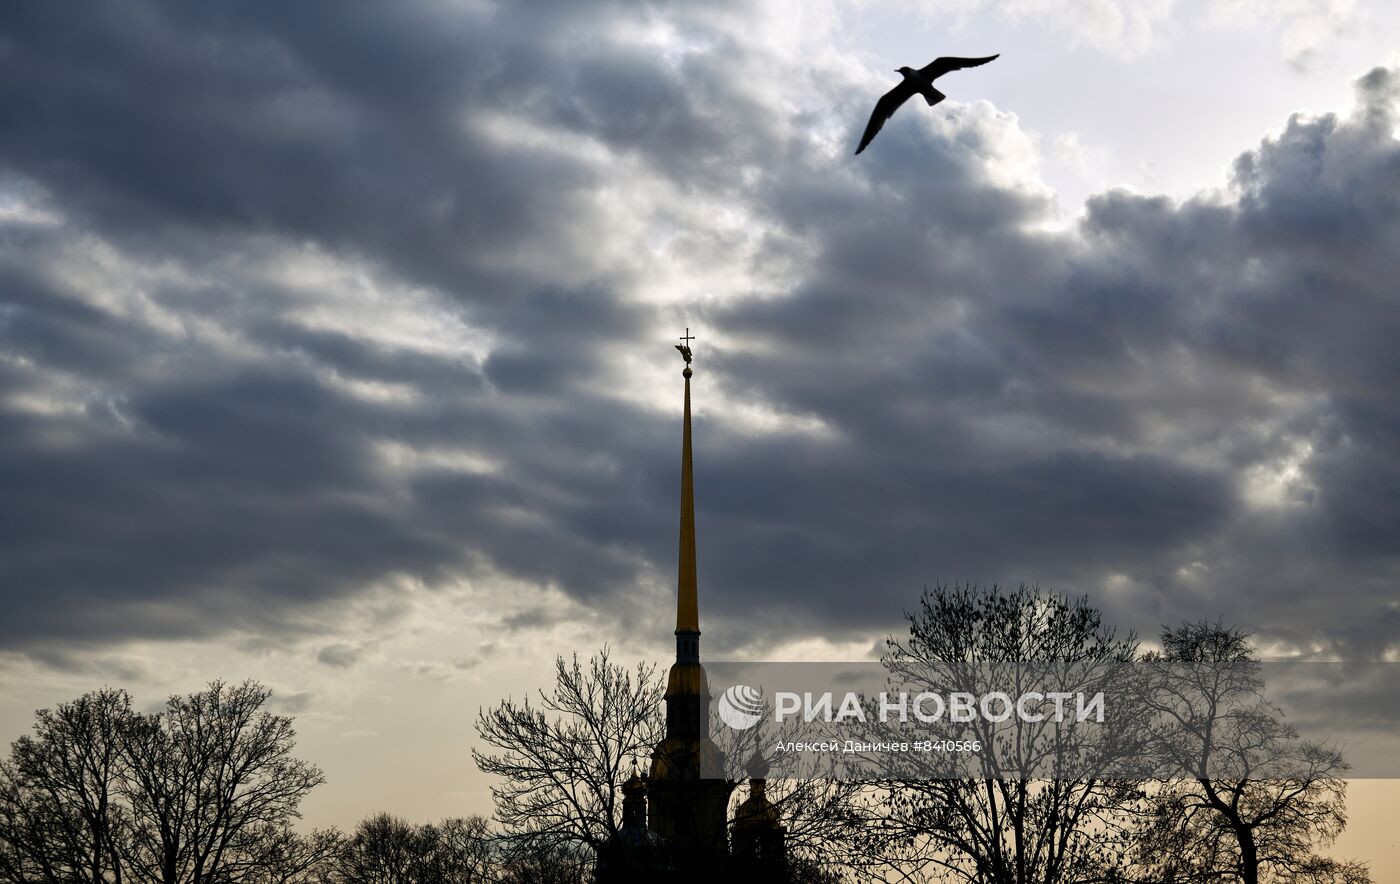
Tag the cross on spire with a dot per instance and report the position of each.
(684, 347)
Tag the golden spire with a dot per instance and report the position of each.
(687, 592)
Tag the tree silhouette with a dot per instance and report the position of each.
(209, 781)
(59, 817)
(467, 850)
(1253, 801)
(203, 792)
(287, 857)
(537, 863)
(386, 850)
(564, 760)
(1000, 825)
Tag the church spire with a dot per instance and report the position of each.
(689, 795)
(687, 601)
(687, 586)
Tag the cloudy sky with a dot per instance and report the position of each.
(335, 340)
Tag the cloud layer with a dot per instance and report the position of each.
(298, 304)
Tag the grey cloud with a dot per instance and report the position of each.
(340, 655)
(998, 402)
(292, 703)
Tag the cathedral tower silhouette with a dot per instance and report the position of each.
(688, 794)
(685, 796)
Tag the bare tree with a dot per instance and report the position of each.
(385, 850)
(1000, 826)
(209, 781)
(826, 814)
(538, 863)
(288, 857)
(563, 760)
(1254, 801)
(60, 820)
(204, 791)
(827, 824)
(467, 851)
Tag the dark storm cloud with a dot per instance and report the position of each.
(1183, 409)
(1097, 416)
(351, 126)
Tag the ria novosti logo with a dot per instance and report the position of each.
(741, 707)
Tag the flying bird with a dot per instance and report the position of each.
(918, 82)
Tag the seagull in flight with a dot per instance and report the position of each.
(918, 82)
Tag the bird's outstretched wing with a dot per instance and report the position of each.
(884, 109)
(940, 66)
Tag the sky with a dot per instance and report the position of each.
(335, 342)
